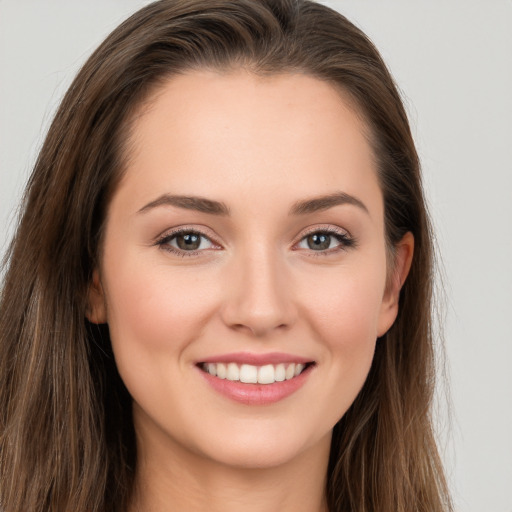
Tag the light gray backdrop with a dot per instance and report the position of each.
(453, 63)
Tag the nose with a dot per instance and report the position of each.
(258, 295)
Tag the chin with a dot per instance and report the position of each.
(263, 449)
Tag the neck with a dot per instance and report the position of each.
(176, 480)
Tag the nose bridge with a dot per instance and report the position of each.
(258, 298)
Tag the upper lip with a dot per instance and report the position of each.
(256, 359)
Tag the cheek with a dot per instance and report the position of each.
(346, 305)
(351, 335)
(344, 317)
(153, 310)
(155, 313)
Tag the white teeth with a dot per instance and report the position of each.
(280, 374)
(221, 370)
(250, 374)
(233, 373)
(266, 374)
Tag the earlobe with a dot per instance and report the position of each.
(404, 251)
(96, 311)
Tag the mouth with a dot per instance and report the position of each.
(256, 380)
(255, 374)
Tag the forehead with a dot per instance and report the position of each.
(201, 130)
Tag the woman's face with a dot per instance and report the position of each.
(247, 233)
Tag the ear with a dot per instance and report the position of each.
(398, 274)
(96, 311)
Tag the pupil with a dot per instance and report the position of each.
(189, 241)
(319, 241)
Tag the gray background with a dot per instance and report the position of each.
(453, 63)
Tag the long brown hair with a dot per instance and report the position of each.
(66, 434)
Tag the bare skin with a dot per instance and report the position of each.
(173, 484)
(249, 222)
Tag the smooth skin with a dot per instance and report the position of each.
(261, 275)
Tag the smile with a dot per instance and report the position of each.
(253, 379)
(252, 374)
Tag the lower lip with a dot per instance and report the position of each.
(257, 394)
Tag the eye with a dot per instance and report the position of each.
(184, 241)
(325, 241)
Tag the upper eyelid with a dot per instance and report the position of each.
(327, 228)
(201, 230)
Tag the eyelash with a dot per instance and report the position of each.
(164, 242)
(345, 241)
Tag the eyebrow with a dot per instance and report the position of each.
(321, 203)
(200, 204)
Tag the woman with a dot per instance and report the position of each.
(219, 291)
